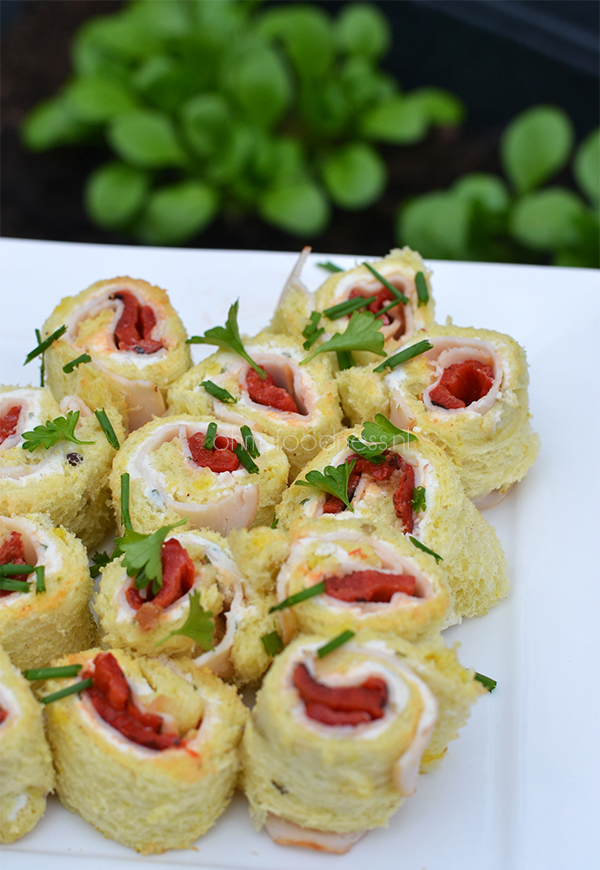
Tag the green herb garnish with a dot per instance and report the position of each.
(199, 625)
(107, 427)
(372, 452)
(318, 589)
(249, 442)
(329, 266)
(332, 480)
(142, 555)
(38, 335)
(424, 548)
(400, 297)
(272, 643)
(345, 360)
(84, 358)
(228, 337)
(418, 499)
(75, 689)
(47, 435)
(40, 579)
(312, 331)
(7, 584)
(51, 673)
(211, 434)
(344, 637)
(347, 307)
(489, 684)
(10, 568)
(44, 345)
(125, 518)
(362, 333)
(218, 393)
(404, 355)
(422, 291)
(275, 522)
(100, 560)
(246, 460)
(379, 435)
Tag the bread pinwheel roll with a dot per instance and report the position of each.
(25, 760)
(65, 477)
(295, 404)
(416, 491)
(373, 579)
(173, 475)
(148, 754)
(45, 613)
(334, 744)
(134, 342)
(224, 625)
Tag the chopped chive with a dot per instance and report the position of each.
(489, 684)
(10, 568)
(329, 266)
(386, 308)
(424, 548)
(404, 355)
(51, 673)
(84, 358)
(75, 689)
(393, 290)
(44, 345)
(249, 442)
(312, 331)
(218, 393)
(211, 434)
(345, 359)
(107, 427)
(422, 291)
(335, 643)
(38, 335)
(275, 522)
(125, 518)
(304, 500)
(347, 307)
(246, 460)
(9, 585)
(272, 643)
(40, 579)
(318, 589)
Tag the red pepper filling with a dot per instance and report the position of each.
(135, 325)
(113, 701)
(12, 551)
(265, 392)
(382, 298)
(8, 423)
(403, 492)
(177, 578)
(462, 384)
(369, 585)
(345, 705)
(3, 714)
(220, 458)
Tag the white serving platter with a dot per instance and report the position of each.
(519, 789)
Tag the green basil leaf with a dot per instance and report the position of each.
(437, 225)
(163, 82)
(207, 123)
(547, 219)
(535, 145)
(586, 167)
(52, 123)
(488, 190)
(306, 33)
(439, 106)
(120, 35)
(399, 121)
(176, 213)
(115, 194)
(355, 175)
(363, 30)
(298, 207)
(146, 138)
(262, 87)
(97, 98)
(160, 18)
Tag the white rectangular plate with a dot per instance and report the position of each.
(519, 789)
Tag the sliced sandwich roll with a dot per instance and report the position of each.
(296, 404)
(173, 475)
(43, 470)
(334, 744)
(146, 753)
(135, 342)
(45, 613)
(25, 760)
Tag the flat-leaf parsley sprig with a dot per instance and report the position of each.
(379, 435)
(199, 625)
(332, 480)
(228, 337)
(362, 333)
(48, 434)
(142, 555)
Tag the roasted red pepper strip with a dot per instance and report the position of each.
(462, 384)
(8, 423)
(344, 705)
(12, 551)
(113, 701)
(369, 585)
(135, 325)
(381, 300)
(3, 714)
(220, 458)
(403, 495)
(264, 392)
(177, 578)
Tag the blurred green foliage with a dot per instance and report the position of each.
(223, 106)
(481, 217)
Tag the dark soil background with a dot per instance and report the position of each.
(496, 64)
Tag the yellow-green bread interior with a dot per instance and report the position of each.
(25, 760)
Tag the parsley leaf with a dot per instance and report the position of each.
(332, 480)
(142, 555)
(199, 625)
(418, 499)
(362, 333)
(59, 429)
(379, 436)
(311, 332)
(228, 337)
(100, 560)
